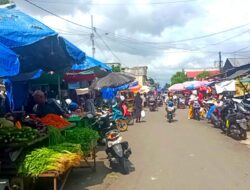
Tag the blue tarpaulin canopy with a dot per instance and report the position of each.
(9, 63)
(110, 93)
(90, 63)
(245, 80)
(19, 29)
(28, 47)
(35, 45)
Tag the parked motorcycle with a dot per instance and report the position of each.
(128, 114)
(120, 120)
(243, 106)
(236, 125)
(118, 151)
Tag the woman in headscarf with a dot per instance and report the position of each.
(138, 107)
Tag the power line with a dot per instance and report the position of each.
(127, 3)
(56, 15)
(106, 45)
(241, 49)
(139, 41)
(101, 50)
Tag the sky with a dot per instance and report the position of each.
(165, 35)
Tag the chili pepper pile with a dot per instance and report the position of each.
(55, 121)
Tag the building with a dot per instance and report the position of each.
(140, 73)
(232, 63)
(193, 73)
(235, 67)
(114, 64)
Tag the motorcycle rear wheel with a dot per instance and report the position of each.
(130, 120)
(121, 125)
(124, 166)
(243, 134)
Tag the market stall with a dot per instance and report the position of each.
(48, 147)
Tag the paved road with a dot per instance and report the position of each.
(184, 155)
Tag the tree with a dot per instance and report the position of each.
(203, 75)
(178, 77)
(2, 2)
(116, 68)
(151, 81)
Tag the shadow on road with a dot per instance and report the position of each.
(81, 178)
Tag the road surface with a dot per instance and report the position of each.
(184, 155)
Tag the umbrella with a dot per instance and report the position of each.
(112, 80)
(192, 85)
(177, 87)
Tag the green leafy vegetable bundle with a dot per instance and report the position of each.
(85, 136)
(55, 136)
(45, 160)
(73, 148)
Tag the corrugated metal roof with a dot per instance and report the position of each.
(237, 62)
(238, 74)
(193, 74)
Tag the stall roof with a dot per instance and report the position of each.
(18, 29)
(9, 63)
(90, 63)
(238, 73)
(245, 80)
(34, 44)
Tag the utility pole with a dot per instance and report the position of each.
(92, 36)
(220, 63)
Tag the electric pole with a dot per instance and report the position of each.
(92, 36)
(220, 63)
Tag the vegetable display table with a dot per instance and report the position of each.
(56, 176)
(85, 162)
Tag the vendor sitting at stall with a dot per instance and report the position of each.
(44, 106)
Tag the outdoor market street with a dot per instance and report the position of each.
(184, 155)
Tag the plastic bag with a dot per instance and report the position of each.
(143, 114)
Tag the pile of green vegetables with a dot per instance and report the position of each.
(74, 148)
(46, 159)
(85, 136)
(11, 134)
(55, 136)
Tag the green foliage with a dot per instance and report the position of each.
(84, 136)
(116, 68)
(2, 2)
(178, 77)
(203, 75)
(151, 81)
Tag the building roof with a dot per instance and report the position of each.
(239, 73)
(193, 73)
(237, 62)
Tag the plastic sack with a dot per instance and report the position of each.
(143, 114)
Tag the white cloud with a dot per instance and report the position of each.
(139, 21)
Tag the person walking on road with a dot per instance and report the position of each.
(138, 107)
